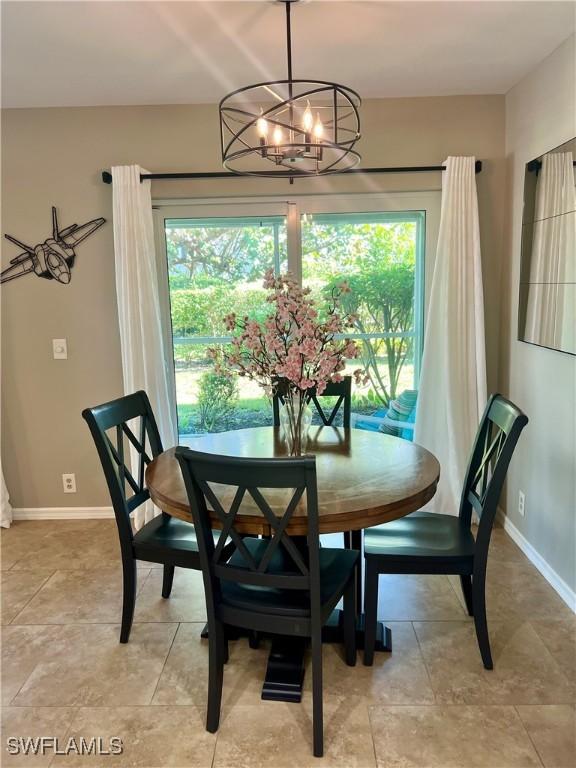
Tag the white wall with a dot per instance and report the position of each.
(540, 115)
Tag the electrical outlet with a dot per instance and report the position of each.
(69, 483)
(59, 349)
(521, 503)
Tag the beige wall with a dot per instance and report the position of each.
(54, 157)
(540, 115)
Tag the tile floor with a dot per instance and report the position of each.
(429, 703)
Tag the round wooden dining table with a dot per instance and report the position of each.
(364, 479)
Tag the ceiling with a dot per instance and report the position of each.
(107, 53)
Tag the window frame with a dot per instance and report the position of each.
(292, 207)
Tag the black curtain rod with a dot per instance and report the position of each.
(107, 176)
(534, 166)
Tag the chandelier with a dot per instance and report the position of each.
(290, 128)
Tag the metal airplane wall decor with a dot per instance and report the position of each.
(54, 258)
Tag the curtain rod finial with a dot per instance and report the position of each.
(106, 177)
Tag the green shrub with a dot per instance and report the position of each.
(200, 311)
(217, 396)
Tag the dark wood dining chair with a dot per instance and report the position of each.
(339, 389)
(430, 543)
(277, 585)
(164, 539)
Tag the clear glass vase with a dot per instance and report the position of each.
(295, 421)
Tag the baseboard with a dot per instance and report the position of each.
(557, 582)
(62, 513)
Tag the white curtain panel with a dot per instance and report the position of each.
(452, 394)
(550, 311)
(5, 508)
(144, 357)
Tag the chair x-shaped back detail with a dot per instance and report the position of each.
(124, 474)
(342, 390)
(493, 445)
(277, 524)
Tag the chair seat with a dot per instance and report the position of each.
(166, 533)
(336, 566)
(420, 535)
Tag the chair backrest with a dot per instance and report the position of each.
(126, 487)
(340, 389)
(205, 474)
(495, 442)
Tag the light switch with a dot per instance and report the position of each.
(60, 349)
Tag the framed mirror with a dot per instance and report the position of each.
(547, 302)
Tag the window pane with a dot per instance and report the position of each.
(378, 255)
(216, 266)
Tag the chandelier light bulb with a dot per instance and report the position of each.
(318, 128)
(262, 126)
(277, 135)
(307, 119)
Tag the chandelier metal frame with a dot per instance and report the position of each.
(325, 147)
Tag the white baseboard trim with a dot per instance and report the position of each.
(62, 513)
(557, 582)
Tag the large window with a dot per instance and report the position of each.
(216, 261)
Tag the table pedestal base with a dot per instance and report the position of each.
(285, 671)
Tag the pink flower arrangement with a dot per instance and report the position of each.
(293, 343)
(295, 349)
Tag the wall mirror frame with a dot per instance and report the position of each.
(547, 296)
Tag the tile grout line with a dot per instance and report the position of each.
(40, 588)
(458, 594)
(429, 676)
(215, 744)
(10, 703)
(556, 663)
(164, 665)
(76, 708)
(376, 763)
(13, 621)
(102, 623)
(528, 735)
(141, 583)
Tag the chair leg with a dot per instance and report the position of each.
(254, 639)
(129, 597)
(167, 580)
(317, 714)
(356, 543)
(370, 612)
(466, 584)
(350, 624)
(480, 623)
(217, 655)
